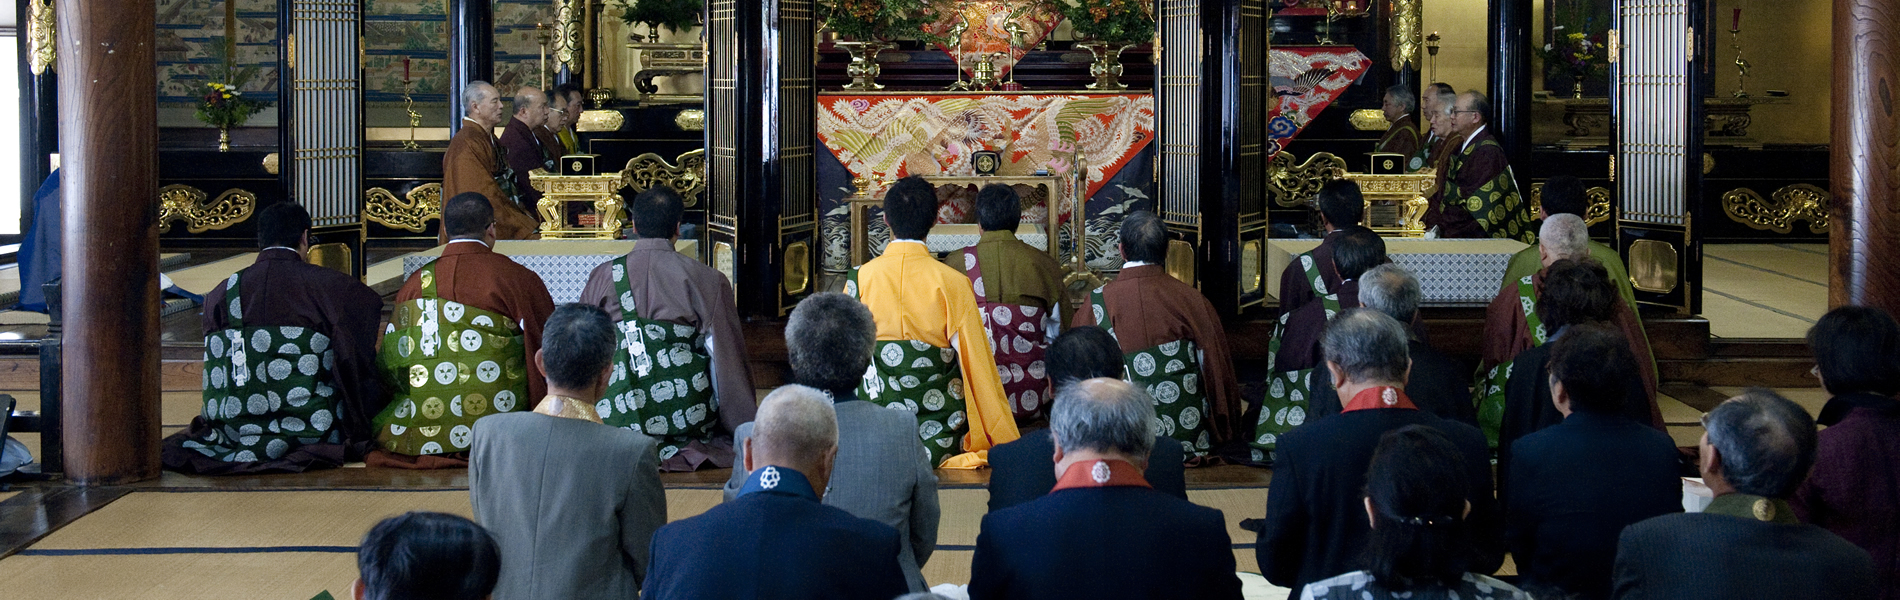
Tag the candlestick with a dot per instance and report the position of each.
(1741, 64)
(405, 68)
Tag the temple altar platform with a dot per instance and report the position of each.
(1461, 272)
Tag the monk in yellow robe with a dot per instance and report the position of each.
(933, 354)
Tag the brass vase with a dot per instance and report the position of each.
(224, 139)
(1576, 90)
(863, 68)
(1107, 68)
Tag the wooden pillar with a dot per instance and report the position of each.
(109, 197)
(471, 52)
(1510, 71)
(1865, 164)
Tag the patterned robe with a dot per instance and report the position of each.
(1150, 308)
(1479, 196)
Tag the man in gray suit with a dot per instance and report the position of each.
(573, 503)
(882, 472)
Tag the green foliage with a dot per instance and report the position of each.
(1112, 21)
(677, 15)
(223, 104)
(871, 20)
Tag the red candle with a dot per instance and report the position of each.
(405, 68)
(1736, 25)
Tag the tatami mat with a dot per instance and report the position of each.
(200, 279)
(258, 575)
(1763, 290)
(244, 519)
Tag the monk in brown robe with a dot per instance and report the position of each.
(1403, 136)
(470, 272)
(1146, 309)
(1020, 291)
(1355, 250)
(474, 163)
(266, 418)
(1312, 273)
(526, 151)
(687, 303)
(559, 118)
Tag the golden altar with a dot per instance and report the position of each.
(598, 196)
(1395, 203)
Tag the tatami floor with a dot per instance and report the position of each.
(1763, 290)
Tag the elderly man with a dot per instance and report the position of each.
(559, 118)
(1171, 340)
(1854, 490)
(933, 353)
(1574, 486)
(1747, 544)
(573, 502)
(290, 362)
(1435, 107)
(1313, 273)
(1402, 137)
(1316, 523)
(777, 539)
(1438, 384)
(1104, 532)
(1294, 354)
(882, 472)
(680, 373)
(1514, 323)
(470, 309)
(1564, 195)
(526, 152)
(1020, 294)
(1479, 197)
(475, 163)
(1019, 470)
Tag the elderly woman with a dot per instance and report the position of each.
(1854, 490)
(1420, 542)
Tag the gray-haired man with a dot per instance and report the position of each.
(1437, 384)
(1103, 532)
(1747, 544)
(882, 472)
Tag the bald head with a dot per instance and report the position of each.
(1563, 236)
(531, 106)
(795, 428)
(1106, 416)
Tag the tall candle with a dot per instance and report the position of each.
(1736, 25)
(405, 68)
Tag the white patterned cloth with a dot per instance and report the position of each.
(565, 274)
(1360, 585)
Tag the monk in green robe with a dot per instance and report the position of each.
(1479, 196)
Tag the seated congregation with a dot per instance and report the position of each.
(1381, 447)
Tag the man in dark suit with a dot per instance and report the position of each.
(1104, 532)
(1576, 485)
(1438, 384)
(1747, 544)
(1019, 470)
(572, 502)
(883, 473)
(1316, 523)
(777, 539)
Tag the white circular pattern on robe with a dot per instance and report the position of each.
(273, 427)
(1167, 392)
(236, 312)
(682, 330)
(1016, 373)
(452, 311)
(620, 372)
(1031, 400)
(289, 349)
(455, 406)
(444, 372)
(695, 414)
(276, 448)
(290, 332)
(249, 434)
(406, 409)
(430, 448)
(1202, 441)
(294, 424)
(487, 371)
(1190, 417)
(279, 369)
(667, 452)
(681, 354)
(606, 405)
(244, 456)
(308, 364)
(909, 381)
(211, 409)
(626, 301)
(679, 420)
(471, 340)
(912, 405)
(1295, 396)
(851, 288)
(1279, 416)
(276, 401)
(663, 391)
(482, 321)
(665, 360)
(637, 399)
(216, 344)
(1021, 344)
(1001, 315)
(976, 288)
(955, 420)
(1295, 416)
(329, 359)
(948, 355)
(922, 362)
(969, 260)
(929, 429)
(1175, 366)
(1309, 378)
(232, 407)
(1266, 439)
(655, 426)
(1030, 311)
(1098, 313)
(459, 436)
(1191, 383)
(701, 381)
(620, 271)
(944, 442)
(956, 388)
(1164, 425)
(218, 378)
(258, 404)
(321, 420)
(919, 346)
(1171, 348)
(1144, 364)
(655, 332)
(260, 340)
(504, 401)
(933, 400)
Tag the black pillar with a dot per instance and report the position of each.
(1510, 71)
(471, 51)
(39, 116)
(1233, 139)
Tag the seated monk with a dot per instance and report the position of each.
(1313, 273)
(933, 355)
(680, 373)
(470, 309)
(1019, 299)
(1478, 197)
(1294, 353)
(474, 162)
(1517, 321)
(290, 362)
(1402, 137)
(526, 149)
(1171, 340)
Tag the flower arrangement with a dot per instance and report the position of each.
(871, 20)
(1573, 43)
(1111, 21)
(224, 106)
(677, 15)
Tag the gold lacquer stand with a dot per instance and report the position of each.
(1395, 203)
(600, 192)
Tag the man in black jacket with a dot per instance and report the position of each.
(1747, 544)
(1576, 485)
(1316, 523)
(1438, 384)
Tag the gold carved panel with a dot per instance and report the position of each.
(1180, 261)
(186, 203)
(412, 212)
(1598, 210)
(688, 177)
(41, 30)
(1780, 211)
(1291, 185)
(1369, 119)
